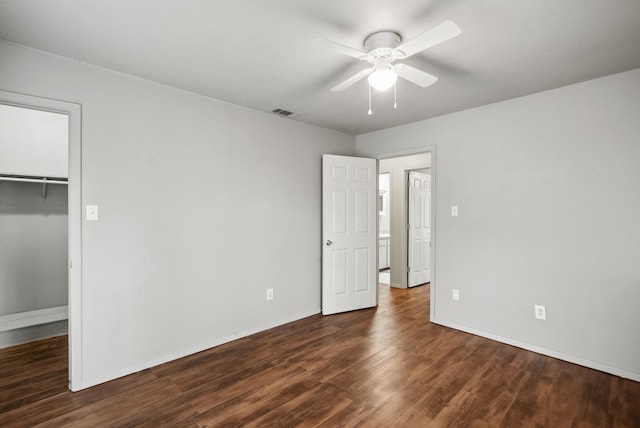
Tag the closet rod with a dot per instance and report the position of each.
(42, 180)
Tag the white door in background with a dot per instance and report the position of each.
(419, 228)
(349, 233)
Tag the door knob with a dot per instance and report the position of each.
(329, 242)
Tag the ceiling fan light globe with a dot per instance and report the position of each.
(382, 80)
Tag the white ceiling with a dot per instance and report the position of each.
(259, 53)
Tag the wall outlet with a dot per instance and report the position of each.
(455, 294)
(541, 312)
(269, 293)
(454, 211)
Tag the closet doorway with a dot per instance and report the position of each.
(40, 222)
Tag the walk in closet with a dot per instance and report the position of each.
(33, 224)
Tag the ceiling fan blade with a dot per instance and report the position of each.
(341, 49)
(352, 80)
(440, 33)
(415, 76)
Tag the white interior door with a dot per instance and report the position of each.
(419, 228)
(349, 233)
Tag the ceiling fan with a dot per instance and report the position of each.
(383, 48)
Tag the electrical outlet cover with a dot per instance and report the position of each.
(541, 312)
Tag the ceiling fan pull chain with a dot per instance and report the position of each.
(395, 104)
(369, 112)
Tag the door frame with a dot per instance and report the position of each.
(432, 150)
(74, 112)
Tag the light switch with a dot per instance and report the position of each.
(454, 211)
(92, 213)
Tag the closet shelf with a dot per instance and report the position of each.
(30, 179)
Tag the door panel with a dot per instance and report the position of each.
(349, 190)
(339, 173)
(339, 223)
(339, 278)
(362, 269)
(363, 212)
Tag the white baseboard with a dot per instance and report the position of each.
(559, 355)
(33, 333)
(31, 318)
(87, 383)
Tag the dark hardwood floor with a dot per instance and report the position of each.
(380, 367)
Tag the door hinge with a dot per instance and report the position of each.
(408, 268)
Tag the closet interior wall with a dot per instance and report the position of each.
(33, 226)
(33, 256)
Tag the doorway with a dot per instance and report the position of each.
(398, 166)
(22, 168)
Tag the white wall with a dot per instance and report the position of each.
(33, 247)
(203, 206)
(549, 197)
(398, 169)
(33, 142)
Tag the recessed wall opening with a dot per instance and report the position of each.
(33, 224)
(40, 225)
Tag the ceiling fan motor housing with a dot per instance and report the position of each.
(382, 43)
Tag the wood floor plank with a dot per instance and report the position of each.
(381, 367)
(62, 403)
(228, 392)
(246, 408)
(624, 403)
(117, 410)
(310, 408)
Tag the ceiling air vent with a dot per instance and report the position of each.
(284, 113)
